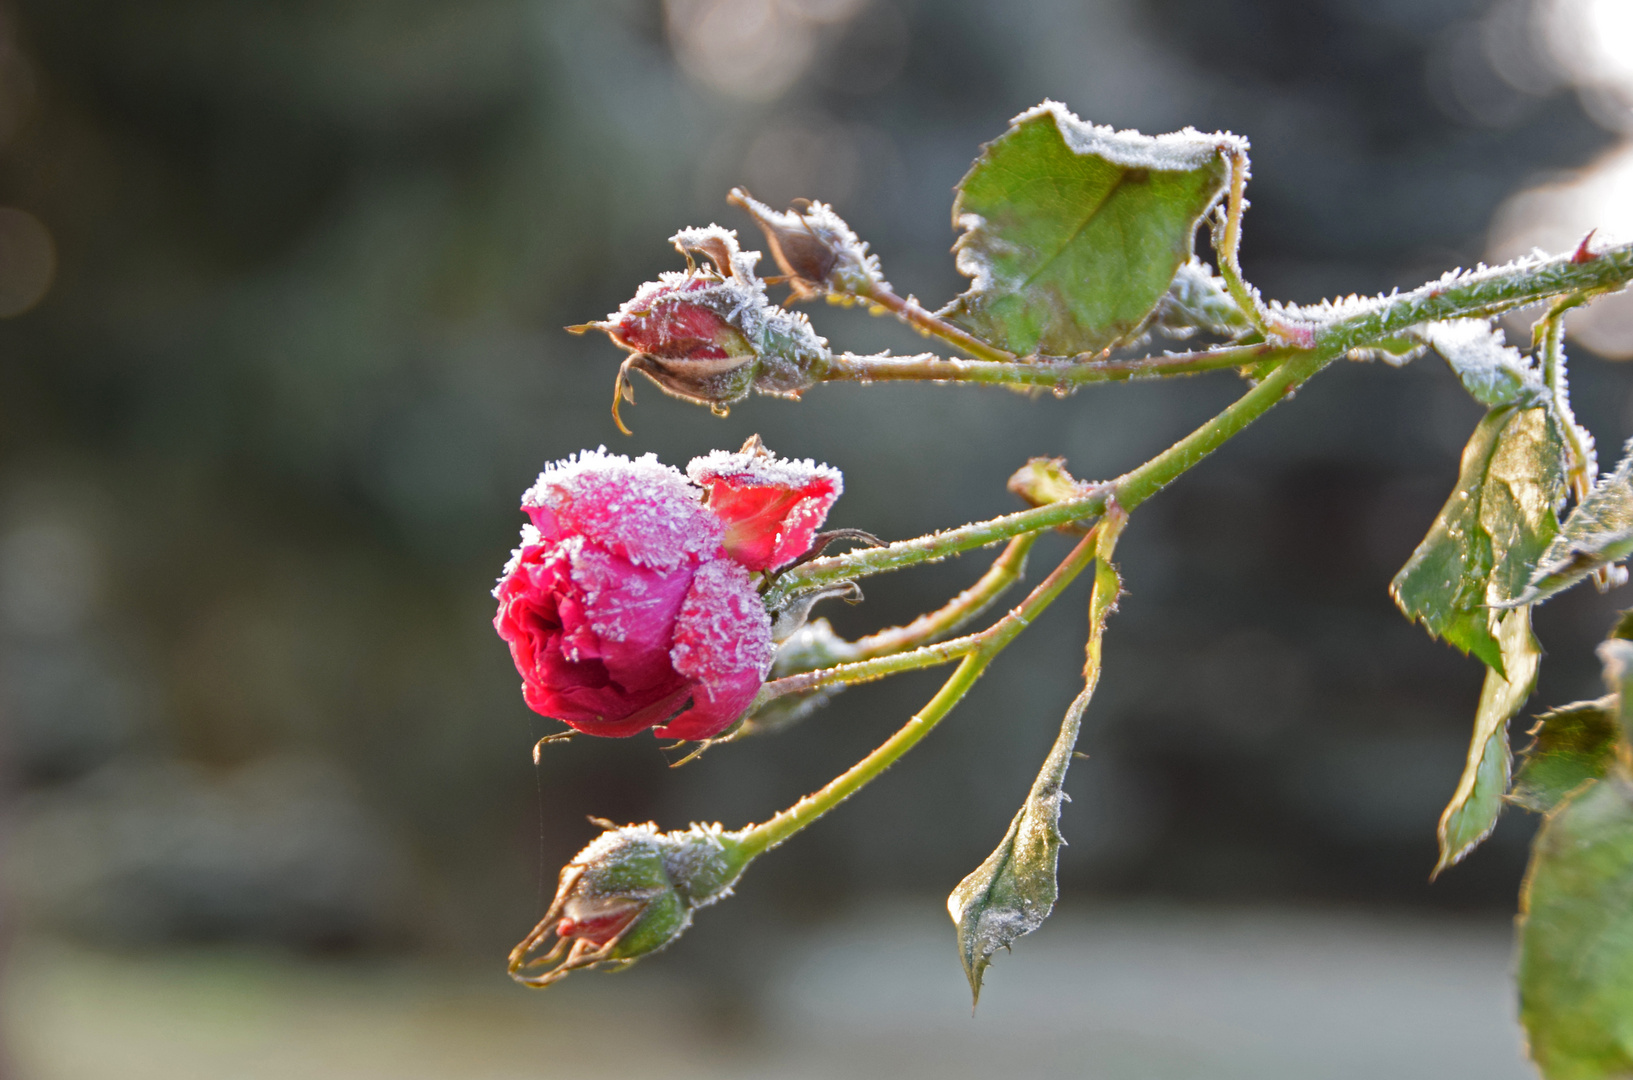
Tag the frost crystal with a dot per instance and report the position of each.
(1493, 372)
(723, 643)
(643, 510)
(1176, 151)
(771, 506)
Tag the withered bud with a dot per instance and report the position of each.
(814, 248)
(629, 893)
(709, 334)
(1042, 481)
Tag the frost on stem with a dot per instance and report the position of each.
(709, 334)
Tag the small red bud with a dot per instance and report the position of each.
(771, 507)
(630, 892)
(709, 334)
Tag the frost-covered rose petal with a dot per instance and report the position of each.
(621, 608)
(771, 507)
(723, 645)
(595, 683)
(683, 317)
(642, 510)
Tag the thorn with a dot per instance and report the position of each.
(1582, 254)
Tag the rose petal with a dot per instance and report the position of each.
(642, 510)
(771, 507)
(723, 644)
(569, 672)
(633, 612)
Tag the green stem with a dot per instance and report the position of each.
(1060, 375)
(905, 648)
(967, 605)
(909, 311)
(1129, 490)
(1227, 240)
(758, 838)
(861, 671)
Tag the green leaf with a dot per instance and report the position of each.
(1570, 746)
(1597, 533)
(1010, 894)
(1073, 232)
(1482, 548)
(1493, 372)
(1576, 936)
(1472, 813)
(1617, 656)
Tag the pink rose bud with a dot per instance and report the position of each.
(771, 507)
(710, 334)
(621, 608)
(629, 893)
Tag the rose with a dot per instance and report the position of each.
(630, 604)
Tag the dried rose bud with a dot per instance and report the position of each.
(710, 334)
(622, 610)
(814, 247)
(1042, 481)
(771, 507)
(629, 893)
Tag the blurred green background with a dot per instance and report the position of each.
(286, 283)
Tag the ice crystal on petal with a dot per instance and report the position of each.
(771, 506)
(722, 643)
(643, 510)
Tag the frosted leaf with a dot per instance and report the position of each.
(1597, 534)
(1072, 233)
(1493, 372)
(1175, 151)
(1012, 892)
(643, 510)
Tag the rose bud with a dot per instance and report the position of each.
(621, 608)
(814, 248)
(771, 507)
(629, 893)
(710, 334)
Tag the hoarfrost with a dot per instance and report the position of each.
(1493, 372)
(764, 469)
(1176, 151)
(643, 510)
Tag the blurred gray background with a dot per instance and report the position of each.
(284, 286)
